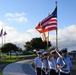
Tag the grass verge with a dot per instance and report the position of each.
(7, 60)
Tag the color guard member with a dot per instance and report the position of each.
(44, 63)
(64, 64)
(38, 63)
(52, 63)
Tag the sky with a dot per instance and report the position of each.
(20, 17)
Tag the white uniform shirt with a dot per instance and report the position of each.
(52, 63)
(44, 63)
(38, 62)
(67, 61)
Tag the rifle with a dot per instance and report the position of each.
(46, 70)
(60, 56)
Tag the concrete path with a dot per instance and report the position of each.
(24, 68)
(19, 68)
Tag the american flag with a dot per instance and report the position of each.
(5, 33)
(1, 33)
(49, 23)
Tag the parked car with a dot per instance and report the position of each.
(72, 52)
(27, 52)
(42, 50)
(14, 53)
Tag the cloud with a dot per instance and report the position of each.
(66, 36)
(20, 17)
(32, 31)
(16, 37)
(14, 14)
(68, 32)
(1, 24)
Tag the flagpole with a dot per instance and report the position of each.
(2, 45)
(57, 39)
(57, 42)
(48, 35)
(2, 42)
(47, 41)
(56, 33)
(2, 36)
(4, 39)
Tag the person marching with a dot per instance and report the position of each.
(64, 64)
(38, 63)
(44, 63)
(52, 63)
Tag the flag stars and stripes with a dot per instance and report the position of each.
(49, 23)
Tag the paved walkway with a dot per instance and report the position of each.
(24, 68)
(19, 68)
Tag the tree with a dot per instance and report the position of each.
(36, 43)
(9, 47)
(43, 45)
(28, 46)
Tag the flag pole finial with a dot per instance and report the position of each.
(56, 2)
(48, 13)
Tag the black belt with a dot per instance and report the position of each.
(38, 67)
(53, 69)
(45, 68)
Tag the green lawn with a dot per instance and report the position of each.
(0, 73)
(14, 58)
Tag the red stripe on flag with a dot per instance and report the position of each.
(47, 29)
(49, 23)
